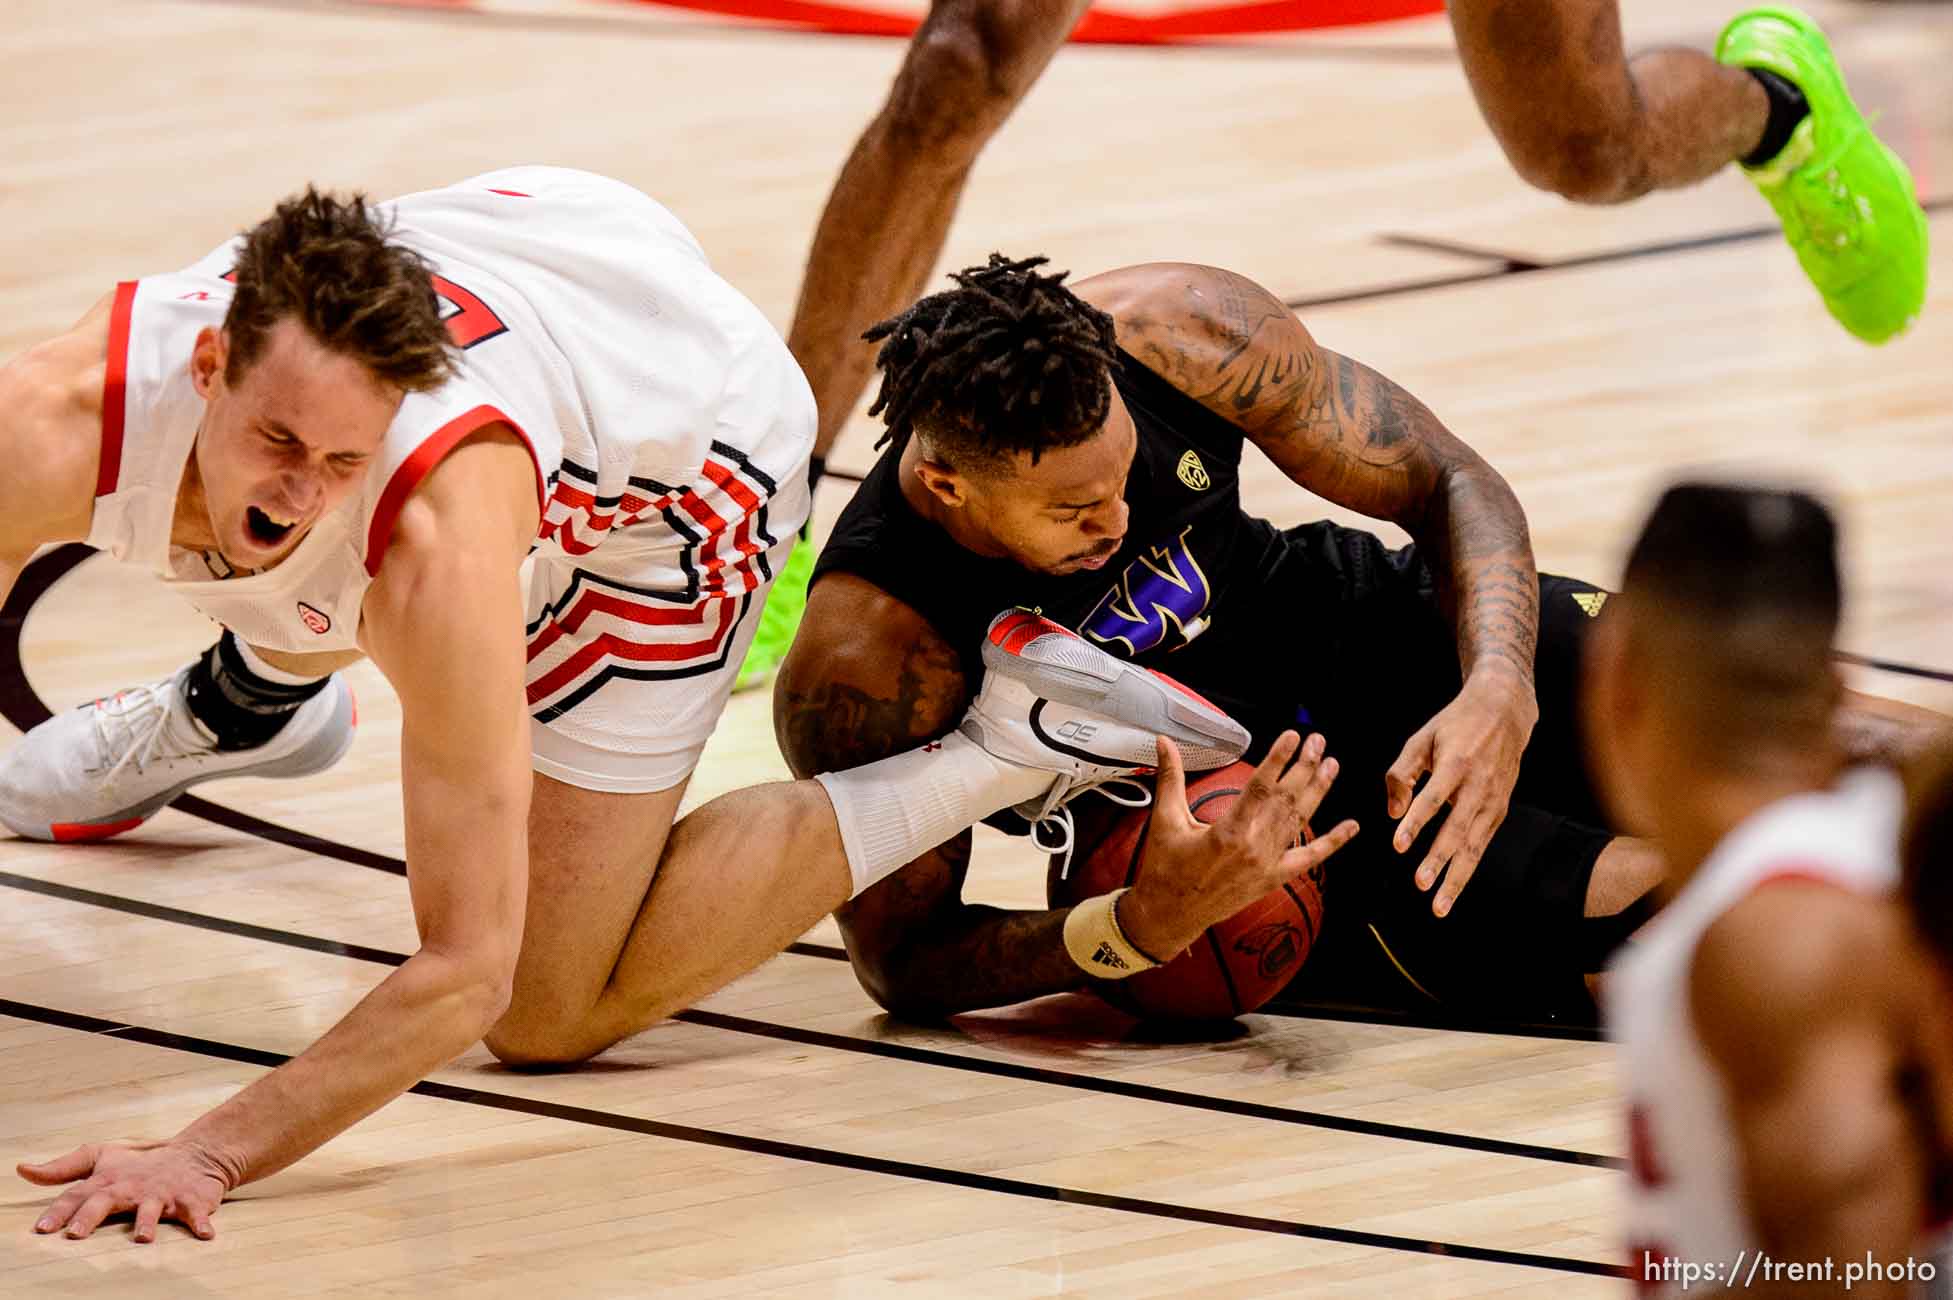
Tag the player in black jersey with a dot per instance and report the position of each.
(1079, 452)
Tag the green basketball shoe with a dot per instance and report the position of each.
(1846, 201)
(786, 601)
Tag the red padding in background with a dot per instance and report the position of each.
(1100, 26)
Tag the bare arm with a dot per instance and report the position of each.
(1346, 433)
(1803, 1000)
(50, 441)
(867, 678)
(441, 622)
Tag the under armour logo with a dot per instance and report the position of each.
(1104, 956)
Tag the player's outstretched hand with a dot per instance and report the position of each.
(1192, 874)
(1472, 751)
(157, 1180)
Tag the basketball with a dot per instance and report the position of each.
(1239, 963)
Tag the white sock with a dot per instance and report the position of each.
(894, 811)
(258, 666)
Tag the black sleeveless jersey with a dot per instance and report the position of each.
(1200, 590)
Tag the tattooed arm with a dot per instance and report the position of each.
(1348, 434)
(867, 678)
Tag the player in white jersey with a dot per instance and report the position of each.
(1784, 1059)
(346, 432)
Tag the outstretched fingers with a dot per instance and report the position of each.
(1306, 857)
(1437, 792)
(1400, 782)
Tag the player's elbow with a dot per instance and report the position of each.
(485, 985)
(471, 985)
(892, 974)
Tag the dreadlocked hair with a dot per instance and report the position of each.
(1007, 361)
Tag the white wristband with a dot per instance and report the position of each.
(1098, 945)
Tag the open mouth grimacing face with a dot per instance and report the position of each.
(266, 530)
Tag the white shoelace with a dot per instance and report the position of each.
(1057, 812)
(134, 725)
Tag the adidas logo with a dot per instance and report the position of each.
(1104, 956)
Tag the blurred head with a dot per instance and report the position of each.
(1005, 383)
(1928, 853)
(330, 326)
(1711, 686)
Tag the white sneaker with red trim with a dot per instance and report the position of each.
(109, 766)
(1053, 701)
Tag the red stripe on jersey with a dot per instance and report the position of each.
(544, 639)
(115, 389)
(419, 463)
(694, 505)
(604, 602)
(716, 570)
(566, 538)
(592, 601)
(574, 498)
(735, 488)
(514, 194)
(609, 645)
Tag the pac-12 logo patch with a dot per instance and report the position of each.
(314, 619)
(1193, 473)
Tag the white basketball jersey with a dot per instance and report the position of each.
(587, 319)
(1685, 1191)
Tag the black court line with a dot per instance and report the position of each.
(835, 1159)
(864, 1046)
(1509, 265)
(1891, 666)
(1451, 248)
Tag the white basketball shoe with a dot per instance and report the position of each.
(1053, 701)
(109, 766)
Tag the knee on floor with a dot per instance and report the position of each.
(538, 1046)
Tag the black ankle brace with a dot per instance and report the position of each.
(1788, 107)
(240, 708)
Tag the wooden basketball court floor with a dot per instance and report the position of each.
(786, 1138)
